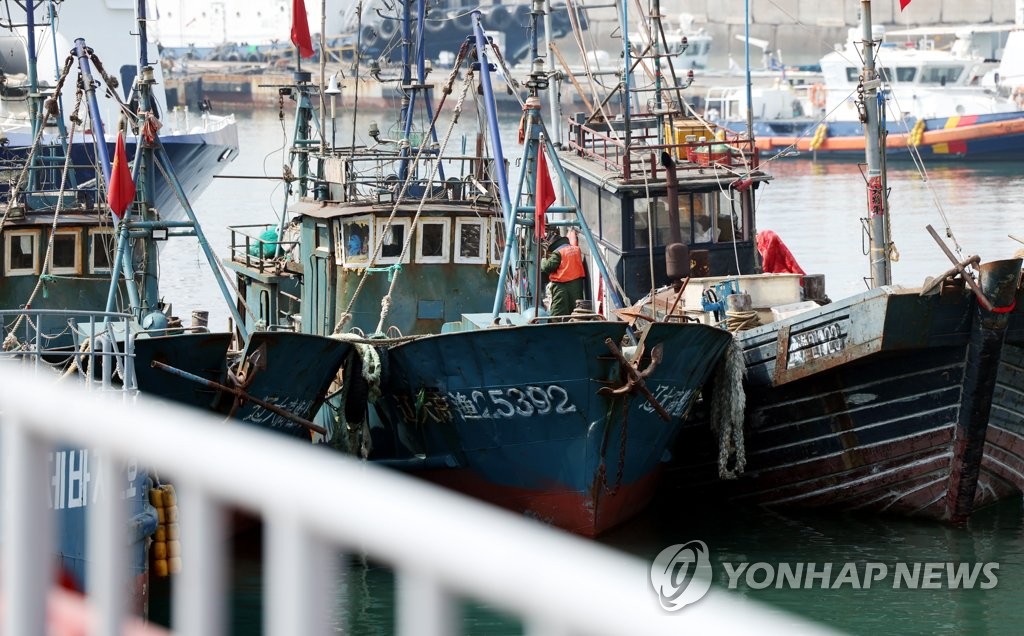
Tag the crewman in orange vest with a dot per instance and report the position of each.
(564, 266)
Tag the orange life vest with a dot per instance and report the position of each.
(571, 265)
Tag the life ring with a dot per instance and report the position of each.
(817, 94)
(1018, 97)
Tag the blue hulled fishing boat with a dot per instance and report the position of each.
(566, 418)
(563, 418)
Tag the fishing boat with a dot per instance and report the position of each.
(200, 143)
(563, 418)
(80, 296)
(510, 412)
(56, 249)
(388, 240)
(876, 402)
(940, 106)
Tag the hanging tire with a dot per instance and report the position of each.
(522, 17)
(463, 23)
(497, 19)
(386, 28)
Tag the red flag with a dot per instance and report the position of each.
(121, 192)
(544, 193)
(903, 4)
(300, 29)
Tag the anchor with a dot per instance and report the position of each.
(636, 378)
(247, 371)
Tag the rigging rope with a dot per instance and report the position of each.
(447, 89)
(385, 302)
(56, 216)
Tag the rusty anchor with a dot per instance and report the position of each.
(636, 378)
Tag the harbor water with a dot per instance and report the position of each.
(816, 208)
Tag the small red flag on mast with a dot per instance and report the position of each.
(300, 29)
(903, 4)
(544, 193)
(121, 192)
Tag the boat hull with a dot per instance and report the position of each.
(196, 157)
(988, 137)
(289, 370)
(1002, 469)
(516, 416)
(876, 403)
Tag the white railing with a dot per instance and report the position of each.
(314, 504)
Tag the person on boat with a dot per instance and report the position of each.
(564, 267)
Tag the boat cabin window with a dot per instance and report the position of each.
(470, 239)
(355, 241)
(67, 252)
(102, 245)
(21, 252)
(323, 238)
(265, 307)
(729, 221)
(650, 221)
(433, 242)
(611, 218)
(887, 74)
(497, 239)
(587, 195)
(906, 73)
(717, 217)
(941, 75)
(392, 240)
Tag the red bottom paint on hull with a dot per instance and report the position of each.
(581, 513)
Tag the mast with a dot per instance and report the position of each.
(626, 81)
(492, 117)
(746, 55)
(878, 234)
(553, 92)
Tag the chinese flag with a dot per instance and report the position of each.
(121, 192)
(903, 4)
(300, 29)
(544, 193)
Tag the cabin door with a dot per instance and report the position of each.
(323, 318)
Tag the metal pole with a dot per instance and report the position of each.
(94, 109)
(140, 17)
(626, 80)
(555, 87)
(878, 251)
(746, 55)
(408, 100)
(421, 67)
(33, 76)
(492, 119)
(323, 76)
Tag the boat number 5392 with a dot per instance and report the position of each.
(511, 402)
